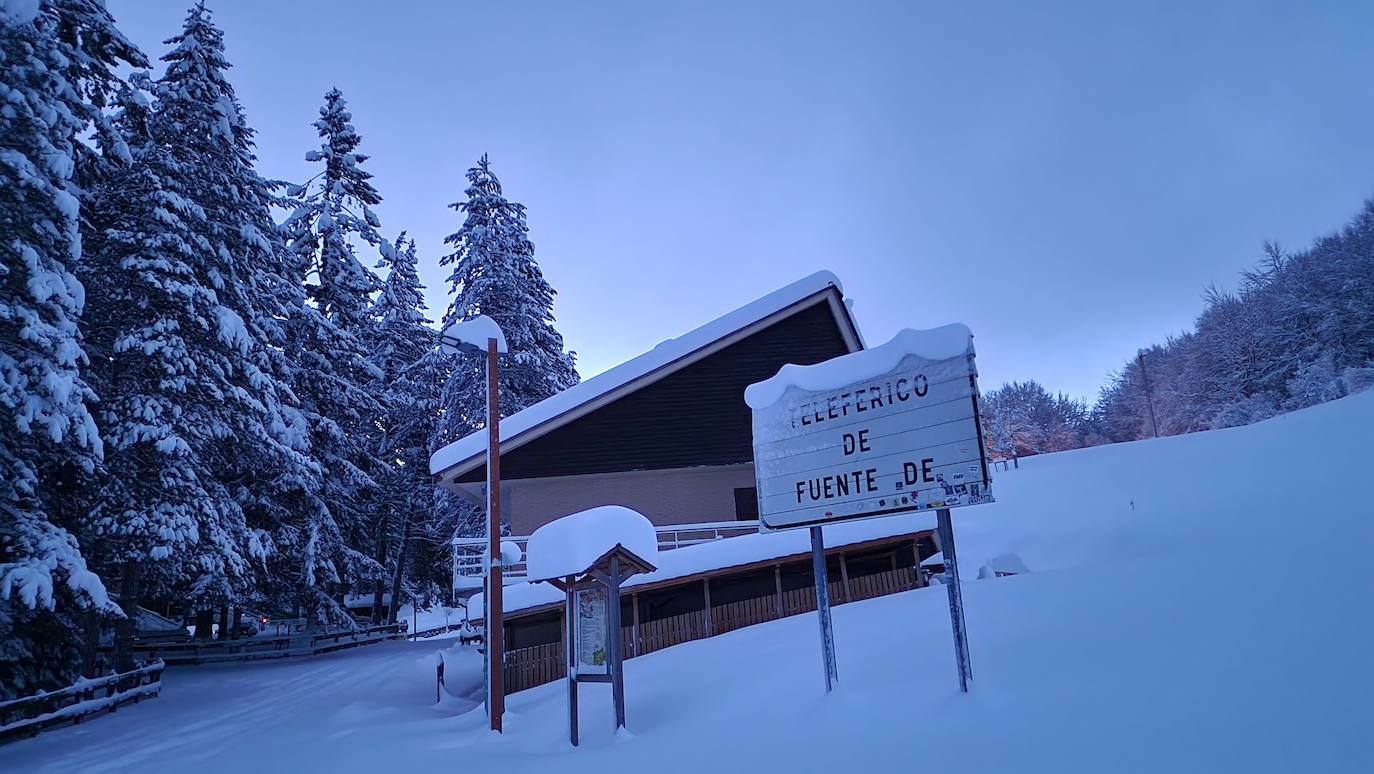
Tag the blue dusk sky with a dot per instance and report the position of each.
(1066, 178)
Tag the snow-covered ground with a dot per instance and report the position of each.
(1194, 604)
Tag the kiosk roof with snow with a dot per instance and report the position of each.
(584, 544)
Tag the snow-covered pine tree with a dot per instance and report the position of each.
(403, 347)
(334, 377)
(259, 448)
(332, 207)
(495, 273)
(184, 379)
(56, 60)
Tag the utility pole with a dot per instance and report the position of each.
(1149, 397)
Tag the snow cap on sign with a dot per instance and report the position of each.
(570, 545)
(475, 332)
(941, 343)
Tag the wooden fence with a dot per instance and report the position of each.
(528, 667)
(27, 716)
(252, 648)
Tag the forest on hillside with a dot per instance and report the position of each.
(1298, 331)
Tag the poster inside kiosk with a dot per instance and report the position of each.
(882, 431)
(592, 656)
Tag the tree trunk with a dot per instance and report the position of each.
(127, 626)
(90, 666)
(401, 551)
(205, 623)
(378, 584)
(223, 622)
(234, 622)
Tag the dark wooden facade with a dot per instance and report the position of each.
(694, 417)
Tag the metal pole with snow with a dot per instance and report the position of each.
(481, 335)
(822, 580)
(878, 432)
(956, 597)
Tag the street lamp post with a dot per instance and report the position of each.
(481, 335)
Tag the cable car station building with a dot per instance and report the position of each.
(669, 435)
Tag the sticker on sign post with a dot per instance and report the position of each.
(878, 432)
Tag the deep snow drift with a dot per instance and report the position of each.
(1194, 604)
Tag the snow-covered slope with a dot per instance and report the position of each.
(1195, 604)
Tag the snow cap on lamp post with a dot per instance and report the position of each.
(471, 336)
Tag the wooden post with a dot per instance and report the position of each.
(777, 585)
(706, 591)
(844, 578)
(495, 640)
(617, 657)
(570, 641)
(634, 631)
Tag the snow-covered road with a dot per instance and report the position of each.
(298, 715)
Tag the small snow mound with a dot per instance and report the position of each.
(1007, 564)
(567, 546)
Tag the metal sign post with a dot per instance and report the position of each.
(894, 429)
(956, 597)
(823, 608)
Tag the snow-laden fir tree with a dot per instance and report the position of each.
(56, 60)
(331, 208)
(327, 341)
(204, 191)
(495, 273)
(404, 349)
(185, 379)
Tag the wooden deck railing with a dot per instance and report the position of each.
(29, 715)
(528, 667)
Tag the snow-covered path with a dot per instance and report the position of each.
(1195, 604)
(269, 716)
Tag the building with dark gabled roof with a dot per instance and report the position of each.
(667, 433)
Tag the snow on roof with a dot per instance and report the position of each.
(722, 554)
(474, 332)
(941, 343)
(667, 352)
(569, 545)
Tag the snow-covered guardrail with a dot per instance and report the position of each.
(31, 714)
(253, 648)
